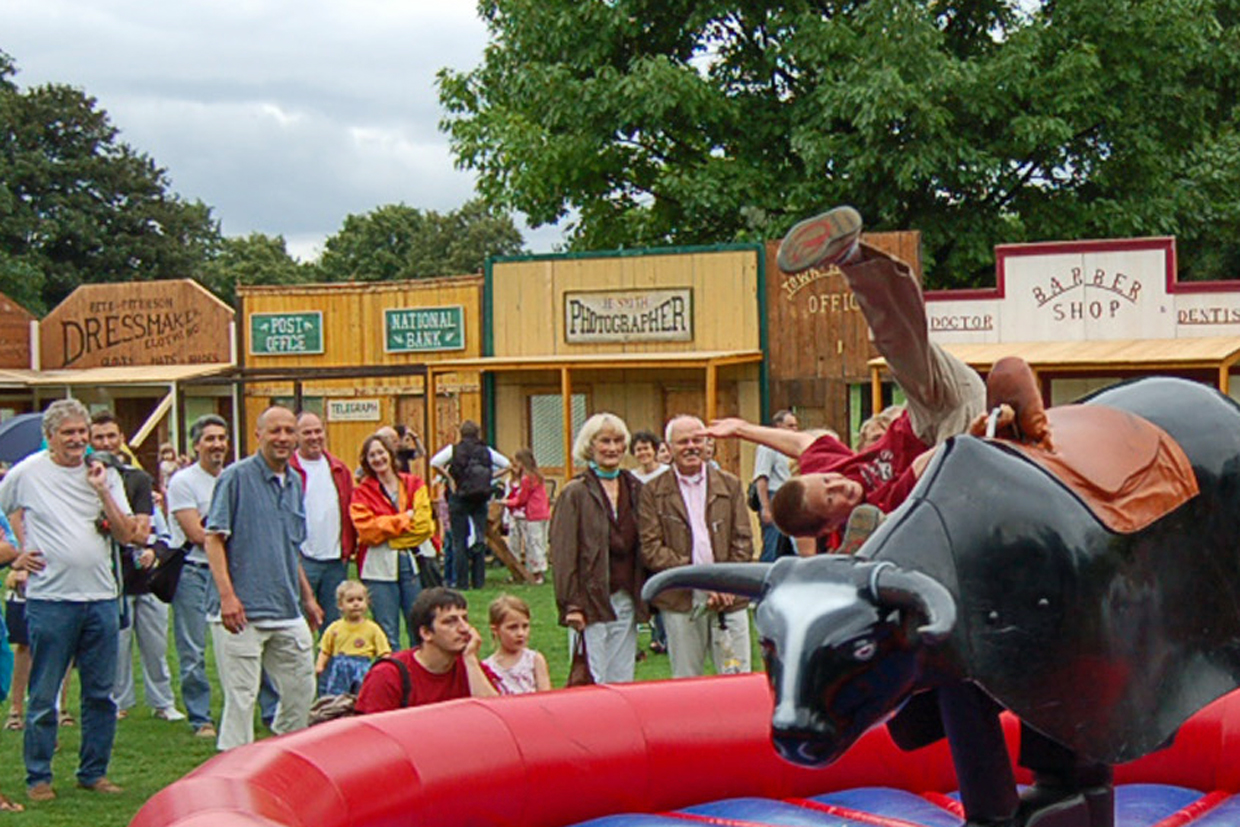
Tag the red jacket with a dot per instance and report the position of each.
(376, 520)
(530, 494)
(343, 478)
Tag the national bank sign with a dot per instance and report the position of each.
(421, 329)
(629, 316)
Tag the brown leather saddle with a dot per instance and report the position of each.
(1128, 471)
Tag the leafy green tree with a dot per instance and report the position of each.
(976, 121)
(396, 241)
(77, 205)
(253, 259)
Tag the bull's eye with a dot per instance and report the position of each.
(864, 649)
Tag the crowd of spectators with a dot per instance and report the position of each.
(294, 543)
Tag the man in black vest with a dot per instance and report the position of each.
(470, 468)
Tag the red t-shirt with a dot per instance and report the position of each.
(883, 469)
(383, 690)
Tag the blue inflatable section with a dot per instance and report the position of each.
(1136, 805)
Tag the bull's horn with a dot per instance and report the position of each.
(745, 579)
(894, 586)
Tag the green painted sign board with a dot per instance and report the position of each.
(416, 329)
(286, 334)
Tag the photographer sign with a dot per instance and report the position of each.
(629, 316)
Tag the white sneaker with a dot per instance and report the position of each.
(170, 714)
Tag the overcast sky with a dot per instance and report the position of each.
(283, 115)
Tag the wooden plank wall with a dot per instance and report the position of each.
(818, 341)
(528, 299)
(353, 335)
(14, 334)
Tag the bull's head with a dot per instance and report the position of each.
(842, 639)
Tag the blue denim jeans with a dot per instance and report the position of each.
(62, 631)
(774, 544)
(189, 628)
(390, 601)
(324, 577)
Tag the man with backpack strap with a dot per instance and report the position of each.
(443, 667)
(470, 467)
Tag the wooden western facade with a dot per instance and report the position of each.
(357, 355)
(131, 348)
(538, 343)
(645, 335)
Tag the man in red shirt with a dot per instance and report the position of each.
(443, 667)
(943, 394)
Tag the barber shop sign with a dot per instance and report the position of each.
(1086, 290)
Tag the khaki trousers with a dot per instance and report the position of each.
(286, 654)
(944, 394)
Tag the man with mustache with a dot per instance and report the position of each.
(696, 515)
(69, 507)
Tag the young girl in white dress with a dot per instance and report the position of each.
(514, 667)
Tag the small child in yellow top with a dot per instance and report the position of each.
(350, 644)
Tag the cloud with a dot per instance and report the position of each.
(283, 116)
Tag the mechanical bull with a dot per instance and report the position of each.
(995, 574)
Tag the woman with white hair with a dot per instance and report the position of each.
(596, 551)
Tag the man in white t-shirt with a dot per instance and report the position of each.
(69, 507)
(771, 470)
(189, 500)
(330, 538)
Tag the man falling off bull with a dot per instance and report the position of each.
(944, 395)
(838, 486)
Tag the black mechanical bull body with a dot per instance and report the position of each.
(994, 572)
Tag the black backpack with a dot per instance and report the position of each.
(471, 469)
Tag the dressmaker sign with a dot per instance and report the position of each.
(629, 316)
(136, 323)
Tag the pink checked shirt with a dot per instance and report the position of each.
(693, 492)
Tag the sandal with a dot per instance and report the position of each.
(15, 722)
(66, 719)
(8, 805)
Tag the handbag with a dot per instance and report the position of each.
(162, 578)
(751, 497)
(579, 671)
(430, 575)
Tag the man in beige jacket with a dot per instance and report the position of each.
(697, 515)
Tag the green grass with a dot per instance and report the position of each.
(150, 754)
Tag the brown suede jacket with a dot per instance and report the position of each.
(667, 539)
(580, 530)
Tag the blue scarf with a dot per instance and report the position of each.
(604, 475)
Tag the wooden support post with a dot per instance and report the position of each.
(566, 396)
(876, 390)
(712, 392)
(430, 438)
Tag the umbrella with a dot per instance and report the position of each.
(20, 436)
